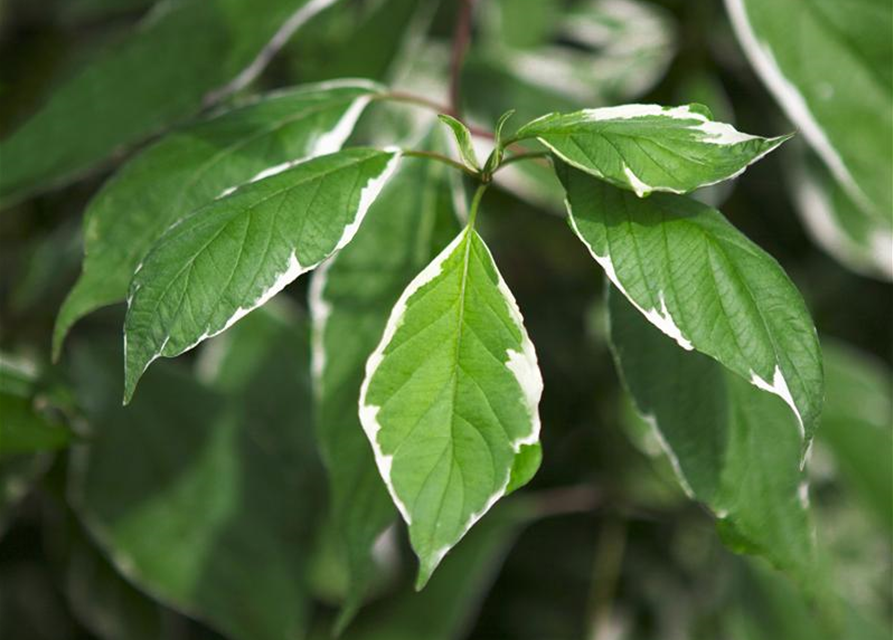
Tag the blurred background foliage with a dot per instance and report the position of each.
(199, 511)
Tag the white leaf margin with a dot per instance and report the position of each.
(791, 100)
(523, 366)
(662, 319)
(290, 271)
(711, 132)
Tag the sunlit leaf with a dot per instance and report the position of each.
(646, 147)
(451, 395)
(215, 266)
(194, 165)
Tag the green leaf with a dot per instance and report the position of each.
(858, 239)
(733, 447)
(191, 167)
(842, 100)
(463, 140)
(647, 147)
(856, 425)
(450, 397)
(208, 497)
(183, 56)
(233, 255)
(24, 428)
(498, 152)
(703, 283)
(351, 296)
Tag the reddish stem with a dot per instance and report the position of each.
(461, 40)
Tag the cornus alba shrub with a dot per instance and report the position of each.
(713, 341)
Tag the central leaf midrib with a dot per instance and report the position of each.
(460, 319)
(248, 211)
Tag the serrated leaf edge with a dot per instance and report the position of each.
(716, 133)
(292, 270)
(664, 321)
(524, 367)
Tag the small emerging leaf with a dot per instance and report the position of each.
(451, 397)
(647, 147)
(463, 140)
(495, 158)
(233, 255)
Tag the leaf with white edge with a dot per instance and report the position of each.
(351, 296)
(495, 158)
(229, 257)
(703, 283)
(733, 447)
(192, 166)
(183, 56)
(861, 241)
(451, 395)
(647, 147)
(463, 141)
(832, 77)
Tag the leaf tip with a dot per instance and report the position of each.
(427, 565)
(701, 109)
(130, 382)
(345, 617)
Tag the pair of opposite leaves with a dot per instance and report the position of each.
(450, 400)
